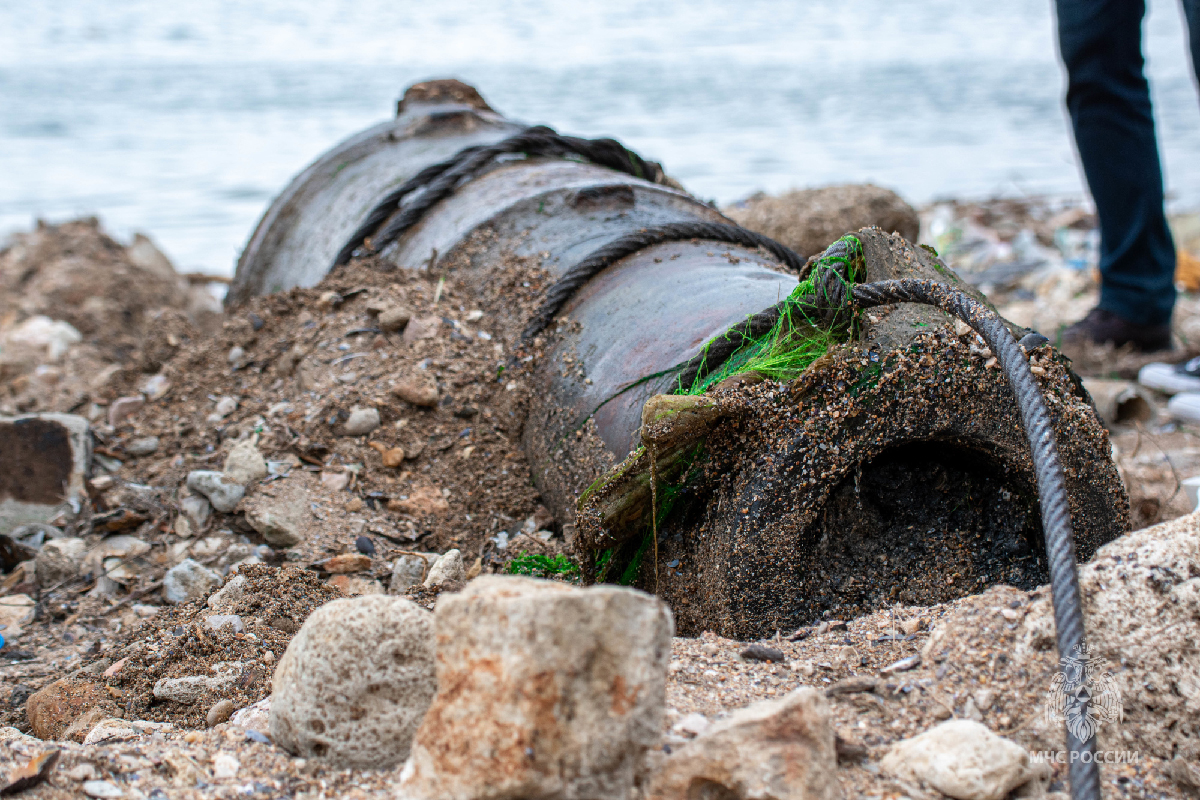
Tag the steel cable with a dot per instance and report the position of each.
(392, 216)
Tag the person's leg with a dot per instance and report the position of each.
(1109, 103)
(1191, 12)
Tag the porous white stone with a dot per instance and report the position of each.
(355, 682)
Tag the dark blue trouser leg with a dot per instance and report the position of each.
(1191, 10)
(1109, 103)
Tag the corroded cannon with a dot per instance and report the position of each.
(892, 468)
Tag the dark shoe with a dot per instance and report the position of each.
(1104, 327)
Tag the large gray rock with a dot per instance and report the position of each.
(773, 750)
(545, 690)
(245, 464)
(222, 491)
(964, 760)
(355, 682)
(188, 580)
(46, 457)
(809, 220)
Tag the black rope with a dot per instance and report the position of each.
(392, 216)
(575, 277)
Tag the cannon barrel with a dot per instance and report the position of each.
(893, 469)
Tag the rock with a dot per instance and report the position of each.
(693, 724)
(114, 729)
(423, 502)
(256, 717)
(394, 319)
(225, 406)
(355, 682)
(59, 560)
(364, 545)
(362, 421)
(760, 652)
(155, 387)
(809, 220)
(354, 585)
(46, 458)
(419, 388)
(391, 456)
(102, 790)
(197, 511)
(225, 765)
(223, 492)
(244, 464)
(961, 759)
(190, 688)
(422, 328)
(227, 598)
(447, 573)
(84, 723)
(335, 481)
(15, 611)
(123, 408)
(345, 564)
(545, 690)
(52, 709)
(410, 570)
(81, 772)
(145, 446)
(217, 622)
(220, 712)
(280, 520)
(772, 750)
(51, 338)
(188, 580)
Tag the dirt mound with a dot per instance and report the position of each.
(807, 220)
(76, 305)
(177, 643)
(406, 433)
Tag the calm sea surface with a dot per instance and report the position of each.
(184, 119)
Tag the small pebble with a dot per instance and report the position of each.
(364, 545)
(760, 652)
(220, 712)
(255, 736)
(101, 789)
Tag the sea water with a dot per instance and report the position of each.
(184, 119)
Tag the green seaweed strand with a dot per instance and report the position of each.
(796, 340)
